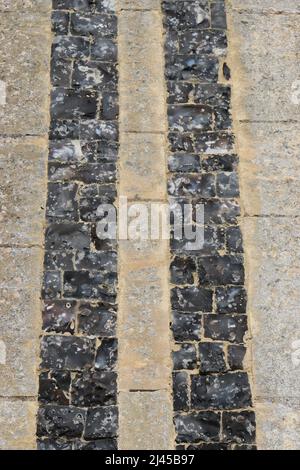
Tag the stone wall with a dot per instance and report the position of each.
(78, 382)
(149, 344)
(212, 396)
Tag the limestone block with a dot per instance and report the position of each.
(22, 190)
(273, 249)
(288, 6)
(25, 5)
(20, 268)
(17, 424)
(144, 349)
(267, 84)
(278, 426)
(24, 69)
(138, 4)
(151, 411)
(142, 102)
(143, 166)
(269, 168)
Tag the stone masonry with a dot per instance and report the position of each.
(78, 382)
(127, 344)
(211, 389)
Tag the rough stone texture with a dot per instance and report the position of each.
(16, 418)
(144, 363)
(77, 388)
(25, 32)
(24, 120)
(208, 296)
(22, 197)
(266, 118)
(145, 410)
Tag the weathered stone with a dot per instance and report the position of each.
(236, 355)
(67, 236)
(192, 185)
(225, 391)
(104, 49)
(101, 422)
(225, 327)
(192, 299)
(179, 92)
(19, 324)
(70, 47)
(98, 25)
(54, 444)
(66, 352)
(142, 160)
(70, 104)
(60, 22)
(54, 387)
(56, 421)
(186, 118)
(17, 421)
(186, 326)
(92, 388)
(212, 358)
(90, 285)
(227, 185)
(231, 299)
(189, 67)
(218, 15)
(221, 270)
(185, 357)
(239, 427)
(61, 202)
(188, 14)
(26, 108)
(180, 391)
(184, 163)
(22, 190)
(52, 285)
(92, 74)
(182, 270)
(214, 143)
(59, 316)
(61, 70)
(202, 42)
(95, 320)
(193, 427)
(107, 354)
(151, 410)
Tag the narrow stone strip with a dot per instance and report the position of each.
(144, 369)
(212, 396)
(24, 123)
(77, 391)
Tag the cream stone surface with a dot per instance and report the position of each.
(24, 123)
(23, 5)
(144, 356)
(19, 330)
(22, 190)
(143, 166)
(263, 56)
(269, 80)
(145, 421)
(142, 108)
(275, 6)
(17, 424)
(144, 349)
(24, 67)
(278, 426)
(138, 4)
